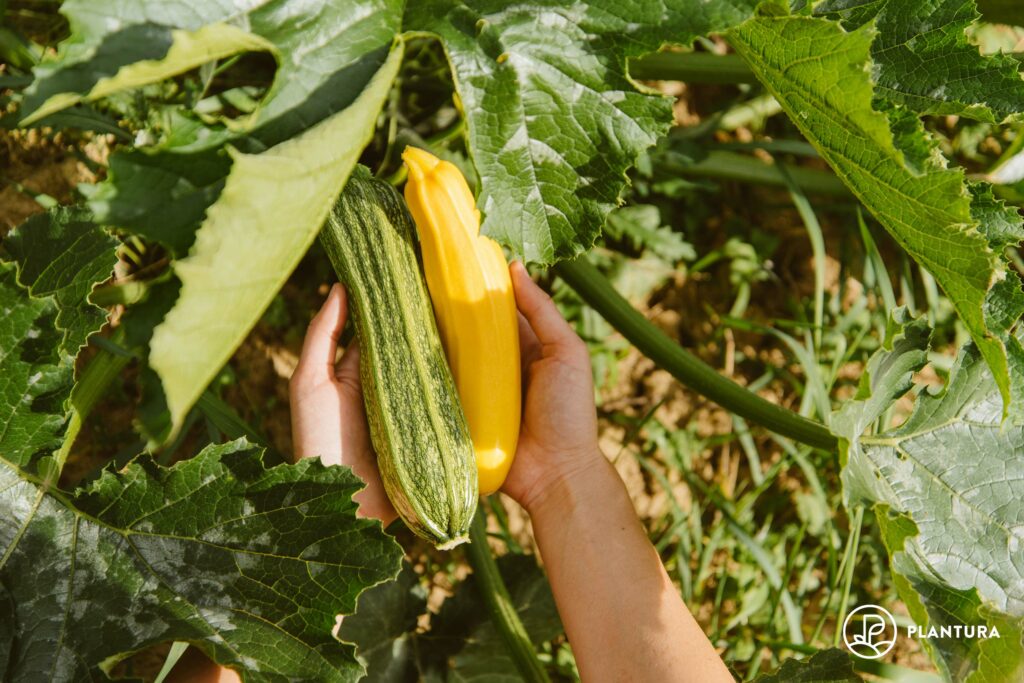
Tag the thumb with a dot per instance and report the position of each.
(347, 373)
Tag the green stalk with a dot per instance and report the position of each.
(723, 165)
(91, 385)
(595, 289)
(691, 67)
(499, 602)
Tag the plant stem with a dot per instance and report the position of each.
(691, 67)
(723, 165)
(499, 602)
(91, 385)
(595, 289)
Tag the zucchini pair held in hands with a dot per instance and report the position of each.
(440, 440)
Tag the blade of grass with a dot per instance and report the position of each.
(817, 240)
(879, 271)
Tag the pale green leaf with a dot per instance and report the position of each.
(934, 604)
(948, 488)
(269, 212)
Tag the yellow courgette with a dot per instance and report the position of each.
(474, 306)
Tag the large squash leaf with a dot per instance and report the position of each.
(820, 74)
(268, 214)
(250, 564)
(325, 53)
(260, 210)
(554, 121)
(920, 44)
(946, 488)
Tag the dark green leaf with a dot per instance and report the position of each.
(322, 51)
(462, 644)
(383, 628)
(463, 639)
(59, 257)
(826, 666)
(62, 254)
(923, 59)
(250, 564)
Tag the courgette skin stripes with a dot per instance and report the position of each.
(417, 426)
(475, 307)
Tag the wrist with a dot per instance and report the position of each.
(566, 490)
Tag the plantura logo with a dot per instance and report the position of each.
(869, 631)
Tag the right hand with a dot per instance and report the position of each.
(558, 436)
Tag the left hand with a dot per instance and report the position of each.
(328, 418)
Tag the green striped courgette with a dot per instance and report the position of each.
(417, 426)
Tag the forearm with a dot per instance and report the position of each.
(624, 618)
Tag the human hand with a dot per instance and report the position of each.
(328, 418)
(558, 436)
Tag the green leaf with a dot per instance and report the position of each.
(471, 647)
(271, 209)
(641, 225)
(34, 376)
(162, 197)
(946, 488)
(934, 604)
(62, 254)
(462, 644)
(827, 666)
(322, 50)
(888, 375)
(383, 628)
(820, 75)
(58, 257)
(553, 119)
(920, 46)
(250, 564)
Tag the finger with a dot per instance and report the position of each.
(529, 346)
(540, 311)
(348, 370)
(321, 344)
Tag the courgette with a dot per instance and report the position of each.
(424, 450)
(475, 307)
